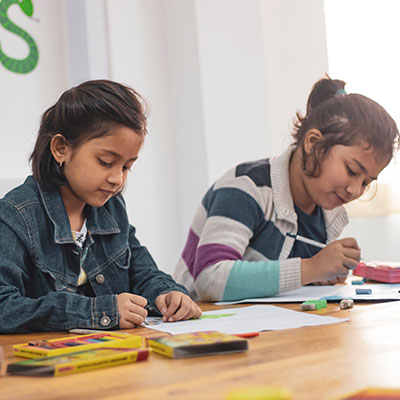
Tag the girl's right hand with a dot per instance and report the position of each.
(333, 261)
(131, 310)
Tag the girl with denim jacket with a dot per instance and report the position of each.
(69, 257)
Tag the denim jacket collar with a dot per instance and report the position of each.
(99, 220)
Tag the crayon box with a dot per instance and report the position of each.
(197, 344)
(72, 344)
(77, 362)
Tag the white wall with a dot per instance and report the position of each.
(187, 113)
(233, 82)
(295, 58)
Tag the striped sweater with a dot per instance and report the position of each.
(237, 245)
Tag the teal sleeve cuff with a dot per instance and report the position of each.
(251, 279)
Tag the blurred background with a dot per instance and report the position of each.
(224, 79)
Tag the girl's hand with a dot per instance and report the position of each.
(175, 306)
(332, 262)
(334, 281)
(131, 310)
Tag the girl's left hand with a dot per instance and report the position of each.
(334, 281)
(175, 306)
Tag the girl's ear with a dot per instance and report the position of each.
(311, 137)
(59, 148)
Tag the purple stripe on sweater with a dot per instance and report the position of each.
(209, 254)
(189, 252)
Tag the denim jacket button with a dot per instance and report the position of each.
(105, 320)
(100, 278)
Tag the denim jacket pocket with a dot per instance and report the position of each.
(116, 276)
(124, 260)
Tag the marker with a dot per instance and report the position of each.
(306, 240)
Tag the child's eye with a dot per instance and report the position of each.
(103, 163)
(350, 171)
(125, 168)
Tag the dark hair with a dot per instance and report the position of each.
(343, 119)
(87, 111)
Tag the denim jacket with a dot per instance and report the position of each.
(40, 264)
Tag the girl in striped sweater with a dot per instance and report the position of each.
(239, 244)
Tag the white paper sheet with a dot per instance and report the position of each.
(244, 319)
(337, 292)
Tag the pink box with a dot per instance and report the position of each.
(380, 271)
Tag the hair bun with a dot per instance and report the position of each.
(323, 90)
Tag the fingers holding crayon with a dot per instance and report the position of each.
(331, 262)
(131, 310)
(176, 306)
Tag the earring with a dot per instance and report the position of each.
(61, 163)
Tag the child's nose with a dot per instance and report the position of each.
(355, 189)
(116, 177)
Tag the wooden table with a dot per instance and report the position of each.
(322, 362)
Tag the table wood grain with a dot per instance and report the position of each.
(321, 362)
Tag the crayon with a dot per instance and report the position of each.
(306, 240)
(40, 343)
(84, 331)
(363, 291)
(56, 345)
(247, 335)
(79, 331)
(359, 281)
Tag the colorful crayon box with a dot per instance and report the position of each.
(381, 271)
(72, 344)
(77, 362)
(197, 344)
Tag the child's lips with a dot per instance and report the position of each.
(341, 199)
(108, 192)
